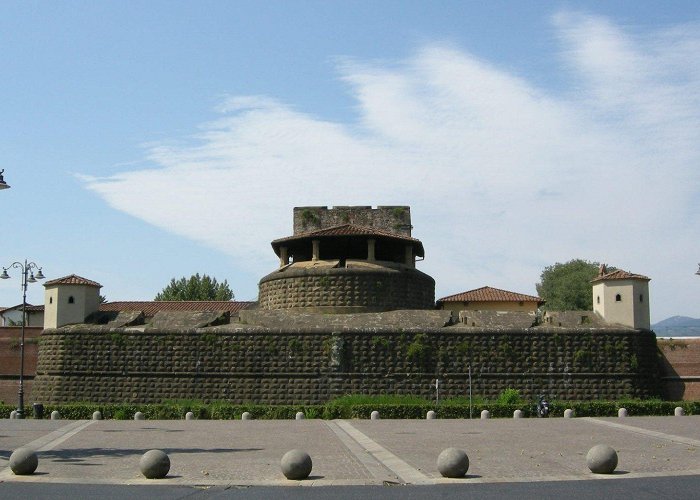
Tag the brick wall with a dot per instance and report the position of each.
(680, 368)
(10, 360)
(248, 365)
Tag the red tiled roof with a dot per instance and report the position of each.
(150, 308)
(73, 279)
(489, 294)
(620, 275)
(30, 308)
(347, 230)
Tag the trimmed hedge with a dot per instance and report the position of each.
(176, 410)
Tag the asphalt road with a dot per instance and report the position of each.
(682, 487)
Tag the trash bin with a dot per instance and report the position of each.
(38, 410)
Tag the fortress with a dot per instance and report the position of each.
(345, 312)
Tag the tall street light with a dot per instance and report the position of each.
(27, 277)
(3, 184)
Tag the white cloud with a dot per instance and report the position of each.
(503, 177)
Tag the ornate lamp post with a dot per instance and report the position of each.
(27, 277)
(3, 184)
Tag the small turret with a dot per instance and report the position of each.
(70, 300)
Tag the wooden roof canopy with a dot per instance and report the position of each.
(349, 241)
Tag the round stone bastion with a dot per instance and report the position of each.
(366, 287)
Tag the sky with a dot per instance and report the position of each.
(145, 141)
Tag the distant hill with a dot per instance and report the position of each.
(677, 326)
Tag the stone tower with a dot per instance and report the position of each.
(69, 300)
(622, 297)
(348, 259)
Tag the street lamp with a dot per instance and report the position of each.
(3, 184)
(698, 271)
(27, 277)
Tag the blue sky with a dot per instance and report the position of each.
(151, 140)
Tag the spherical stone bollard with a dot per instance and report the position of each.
(189, 416)
(485, 414)
(55, 415)
(154, 464)
(601, 459)
(453, 462)
(97, 415)
(13, 414)
(299, 416)
(23, 461)
(569, 413)
(518, 414)
(622, 412)
(296, 464)
(679, 411)
(246, 415)
(139, 416)
(374, 415)
(431, 415)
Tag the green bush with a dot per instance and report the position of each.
(360, 406)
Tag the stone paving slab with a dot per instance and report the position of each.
(349, 451)
(513, 449)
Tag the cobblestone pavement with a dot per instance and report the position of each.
(350, 452)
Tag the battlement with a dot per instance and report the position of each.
(396, 219)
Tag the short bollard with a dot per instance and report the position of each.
(518, 414)
(139, 416)
(569, 413)
(13, 414)
(296, 464)
(453, 462)
(154, 464)
(431, 415)
(374, 415)
(622, 412)
(299, 415)
(601, 459)
(189, 416)
(55, 415)
(23, 461)
(485, 414)
(97, 415)
(246, 415)
(679, 411)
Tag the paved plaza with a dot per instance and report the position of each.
(350, 452)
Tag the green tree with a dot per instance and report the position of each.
(196, 288)
(567, 287)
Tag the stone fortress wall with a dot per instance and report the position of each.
(395, 219)
(248, 364)
(346, 289)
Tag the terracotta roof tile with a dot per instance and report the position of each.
(150, 308)
(18, 307)
(347, 230)
(620, 275)
(73, 279)
(489, 294)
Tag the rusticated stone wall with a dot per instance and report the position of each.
(347, 289)
(263, 366)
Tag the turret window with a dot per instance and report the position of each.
(50, 300)
(618, 298)
(71, 300)
(597, 299)
(641, 297)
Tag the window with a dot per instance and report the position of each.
(618, 298)
(641, 297)
(50, 300)
(597, 299)
(71, 300)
